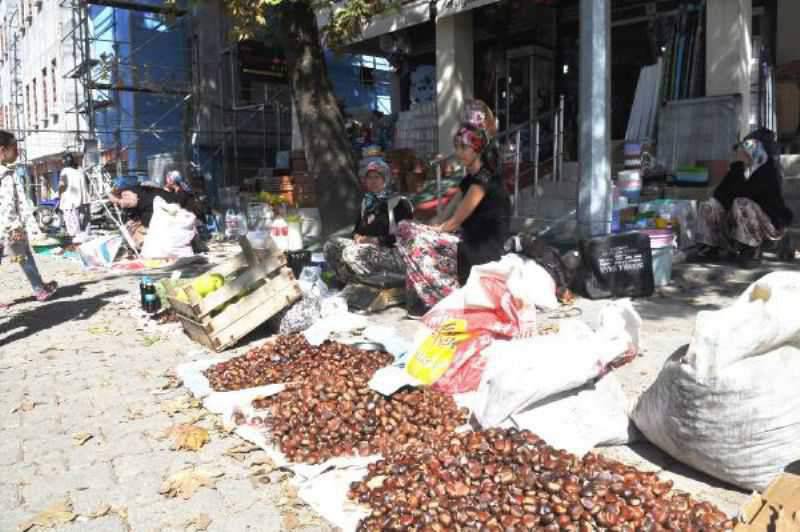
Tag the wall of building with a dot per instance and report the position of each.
(729, 52)
(38, 27)
(788, 38)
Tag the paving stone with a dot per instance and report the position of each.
(110, 523)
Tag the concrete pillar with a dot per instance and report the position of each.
(729, 52)
(788, 45)
(454, 74)
(594, 146)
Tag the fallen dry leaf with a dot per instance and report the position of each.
(240, 452)
(188, 437)
(79, 438)
(198, 523)
(101, 511)
(25, 406)
(184, 483)
(58, 513)
(178, 406)
(290, 521)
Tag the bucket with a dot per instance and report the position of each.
(661, 249)
(629, 184)
(633, 155)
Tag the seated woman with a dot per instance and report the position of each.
(437, 261)
(746, 209)
(371, 249)
(137, 201)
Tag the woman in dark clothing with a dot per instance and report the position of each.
(371, 249)
(746, 209)
(484, 215)
(438, 261)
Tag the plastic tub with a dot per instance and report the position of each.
(629, 184)
(661, 249)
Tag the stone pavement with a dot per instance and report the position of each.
(77, 367)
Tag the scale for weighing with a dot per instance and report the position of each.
(376, 292)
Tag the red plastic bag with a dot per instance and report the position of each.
(490, 312)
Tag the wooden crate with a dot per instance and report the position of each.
(262, 286)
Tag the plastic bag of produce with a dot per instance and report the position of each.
(728, 404)
(493, 304)
(523, 372)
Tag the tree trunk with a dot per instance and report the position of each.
(327, 147)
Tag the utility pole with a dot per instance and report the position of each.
(594, 147)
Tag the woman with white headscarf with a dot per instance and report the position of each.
(371, 248)
(746, 209)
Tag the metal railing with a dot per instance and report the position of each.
(556, 117)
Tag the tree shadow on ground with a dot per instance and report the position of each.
(53, 314)
(699, 287)
(652, 454)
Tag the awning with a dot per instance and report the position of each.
(407, 15)
(446, 8)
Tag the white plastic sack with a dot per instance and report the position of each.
(597, 415)
(523, 372)
(525, 280)
(729, 405)
(170, 232)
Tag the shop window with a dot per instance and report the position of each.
(53, 82)
(35, 104)
(45, 95)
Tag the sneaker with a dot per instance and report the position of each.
(46, 292)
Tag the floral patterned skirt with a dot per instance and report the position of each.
(746, 223)
(352, 261)
(431, 261)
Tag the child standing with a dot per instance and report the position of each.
(15, 215)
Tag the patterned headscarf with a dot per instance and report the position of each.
(472, 136)
(480, 115)
(758, 154)
(373, 199)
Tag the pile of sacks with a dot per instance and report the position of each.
(482, 344)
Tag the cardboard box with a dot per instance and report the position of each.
(776, 510)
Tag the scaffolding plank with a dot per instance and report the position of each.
(130, 88)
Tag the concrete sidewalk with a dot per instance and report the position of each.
(78, 366)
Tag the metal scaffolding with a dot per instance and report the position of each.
(106, 66)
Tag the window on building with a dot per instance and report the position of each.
(35, 103)
(53, 82)
(28, 103)
(45, 95)
(22, 11)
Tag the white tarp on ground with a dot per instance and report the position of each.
(323, 486)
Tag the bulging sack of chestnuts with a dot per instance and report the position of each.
(728, 404)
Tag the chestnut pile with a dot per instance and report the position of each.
(289, 358)
(335, 413)
(508, 480)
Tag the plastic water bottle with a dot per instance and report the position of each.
(232, 224)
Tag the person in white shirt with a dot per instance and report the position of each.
(17, 221)
(74, 197)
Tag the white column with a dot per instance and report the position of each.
(594, 146)
(788, 45)
(729, 52)
(454, 74)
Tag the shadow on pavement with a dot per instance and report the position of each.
(52, 314)
(63, 292)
